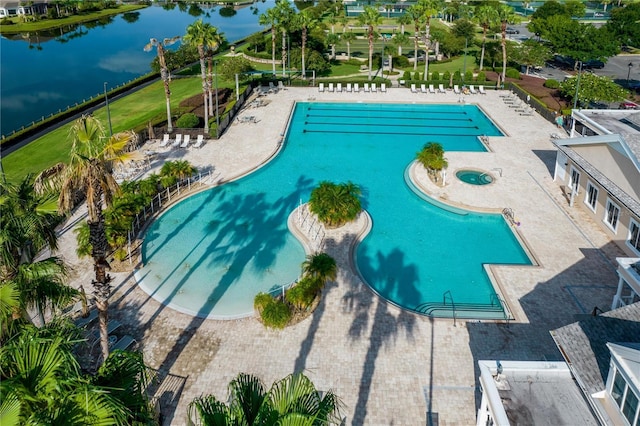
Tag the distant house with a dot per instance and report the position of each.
(15, 8)
(599, 169)
(603, 353)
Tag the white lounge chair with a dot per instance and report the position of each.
(374, 88)
(281, 85)
(272, 87)
(177, 142)
(481, 90)
(165, 141)
(366, 88)
(185, 141)
(349, 87)
(199, 142)
(423, 88)
(330, 89)
(432, 89)
(356, 87)
(383, 88)
(456, 89)
(413, 88)
(339, 87)
(472, 90)
(441, 88)
(321, 87)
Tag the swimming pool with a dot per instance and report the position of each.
(210, 254)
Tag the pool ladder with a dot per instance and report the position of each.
(509, 215)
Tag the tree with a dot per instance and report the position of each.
(92, 158)
(429, 8)
(581, 42)
(625, 24)
(399, 40)
(530, 53)
(348, 37)
(486, 17)
(270, 19)
(164, 73)
(432, 158)
(307, 22)
(229, 67)
(205, 37)
(370, 18)
(256, 41)
(506, 15)
(41, 383)
(575, 8)
(332, 40)
(320, 266)
(414, 13)
(592, 88)
(285, 19)
(292, 400)
(335, 204)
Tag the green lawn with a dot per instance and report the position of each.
(126, 113)
(45, 24)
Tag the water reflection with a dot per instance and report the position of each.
(38, 78)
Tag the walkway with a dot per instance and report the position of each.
(388, 366)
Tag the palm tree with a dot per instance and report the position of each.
(432, 158)
(320, 266)
(335, 204)
(164, 72)
(92, 157)
(371, 18)
(332, 40)
(429, 8)
(348, 37)
(399, 40)
(404, 19)
(292, 400)
(307, 22)
(285, 15)
(505, 15)
(203, 36)
(217, 39)
(270, 19)
(486, 17)
(415, 15)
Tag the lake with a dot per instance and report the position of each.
(43, 73)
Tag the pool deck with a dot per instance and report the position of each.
(388, 366)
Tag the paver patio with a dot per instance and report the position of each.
(388, 366)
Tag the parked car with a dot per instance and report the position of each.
(593, 63)
(629, 105)
(511, 30)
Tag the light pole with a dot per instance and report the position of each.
(575, 99)
(629, 73)
(106, 102)
(215, 71)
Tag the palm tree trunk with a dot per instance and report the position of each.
(304, 43)
(348, 51)
(284, 52)
(203, 75)
(484, 40)
(415, 49)
(210, 89)
(273, 49)
(101, 286)
(504, 51)
(370, 50)
(427, 41)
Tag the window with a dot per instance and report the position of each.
(591, 198)
(612, 215)
(574, 184)
(634, 235)
(630, 406)
(617, 389)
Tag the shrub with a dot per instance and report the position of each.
(188, 121)
(551, 84)
(456, 76)
(446, 76)
(432, 158)
(302, 294)
(468, 76)
(416, 75)
(482, 77)
(435, 75)
(261, 300)
(335, 204)
(400, 61)
(406, 76)
(513, 73)
(276, 314)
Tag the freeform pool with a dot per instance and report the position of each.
(210, 254)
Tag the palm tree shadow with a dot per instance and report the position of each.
(385, 326)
